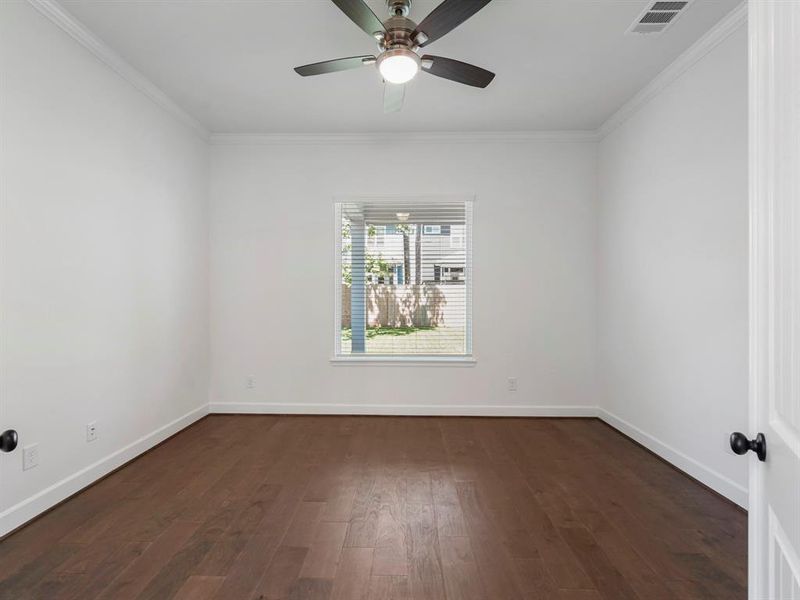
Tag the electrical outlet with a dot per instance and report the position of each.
(250, 383)
(30, 457)
(91, 431)
(512, 384)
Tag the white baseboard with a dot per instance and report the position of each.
(29, 508)
(716, 481)
(461, 410)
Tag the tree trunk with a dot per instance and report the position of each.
(406, 259)
(418, 255)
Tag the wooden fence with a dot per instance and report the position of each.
(424, 305)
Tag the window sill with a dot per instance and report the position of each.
(409, 361)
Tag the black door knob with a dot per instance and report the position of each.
(8, 440)
(740, 445)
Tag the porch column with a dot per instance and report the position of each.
(358, 292)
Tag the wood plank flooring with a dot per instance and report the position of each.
(386, 508)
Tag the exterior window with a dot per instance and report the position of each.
(448, 274)
(454, 274)
(457, 237)
(376, 235)
(403, 287)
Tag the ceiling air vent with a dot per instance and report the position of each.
(658, 16)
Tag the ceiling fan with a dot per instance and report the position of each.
(399, 39)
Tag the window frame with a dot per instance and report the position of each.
(466, 359)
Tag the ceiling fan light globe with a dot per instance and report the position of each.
(398, 66)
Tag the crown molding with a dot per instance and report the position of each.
(715, 36)
(75, 29)
(267, 139)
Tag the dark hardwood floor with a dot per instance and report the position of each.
(352, 508)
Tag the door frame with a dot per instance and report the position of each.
(758, 305)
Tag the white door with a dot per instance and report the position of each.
(775, 298)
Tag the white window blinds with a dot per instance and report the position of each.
(404, 278)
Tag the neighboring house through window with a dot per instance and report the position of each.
(404, 287)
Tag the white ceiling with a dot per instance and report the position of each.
(560, 64)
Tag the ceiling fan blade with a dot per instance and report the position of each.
(393, 95)
(458, 71)
(446, 17)
(361, 15)
(332, 66)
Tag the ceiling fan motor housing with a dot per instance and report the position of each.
(398, 33)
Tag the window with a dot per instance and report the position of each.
(448, 274)
(403, 286)
(457, 237)
(376, 235)
(454, 274)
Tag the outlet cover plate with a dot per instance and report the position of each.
(30, 457)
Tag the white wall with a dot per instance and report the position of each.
(272, 262)
(103, 279)
(672, 269)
